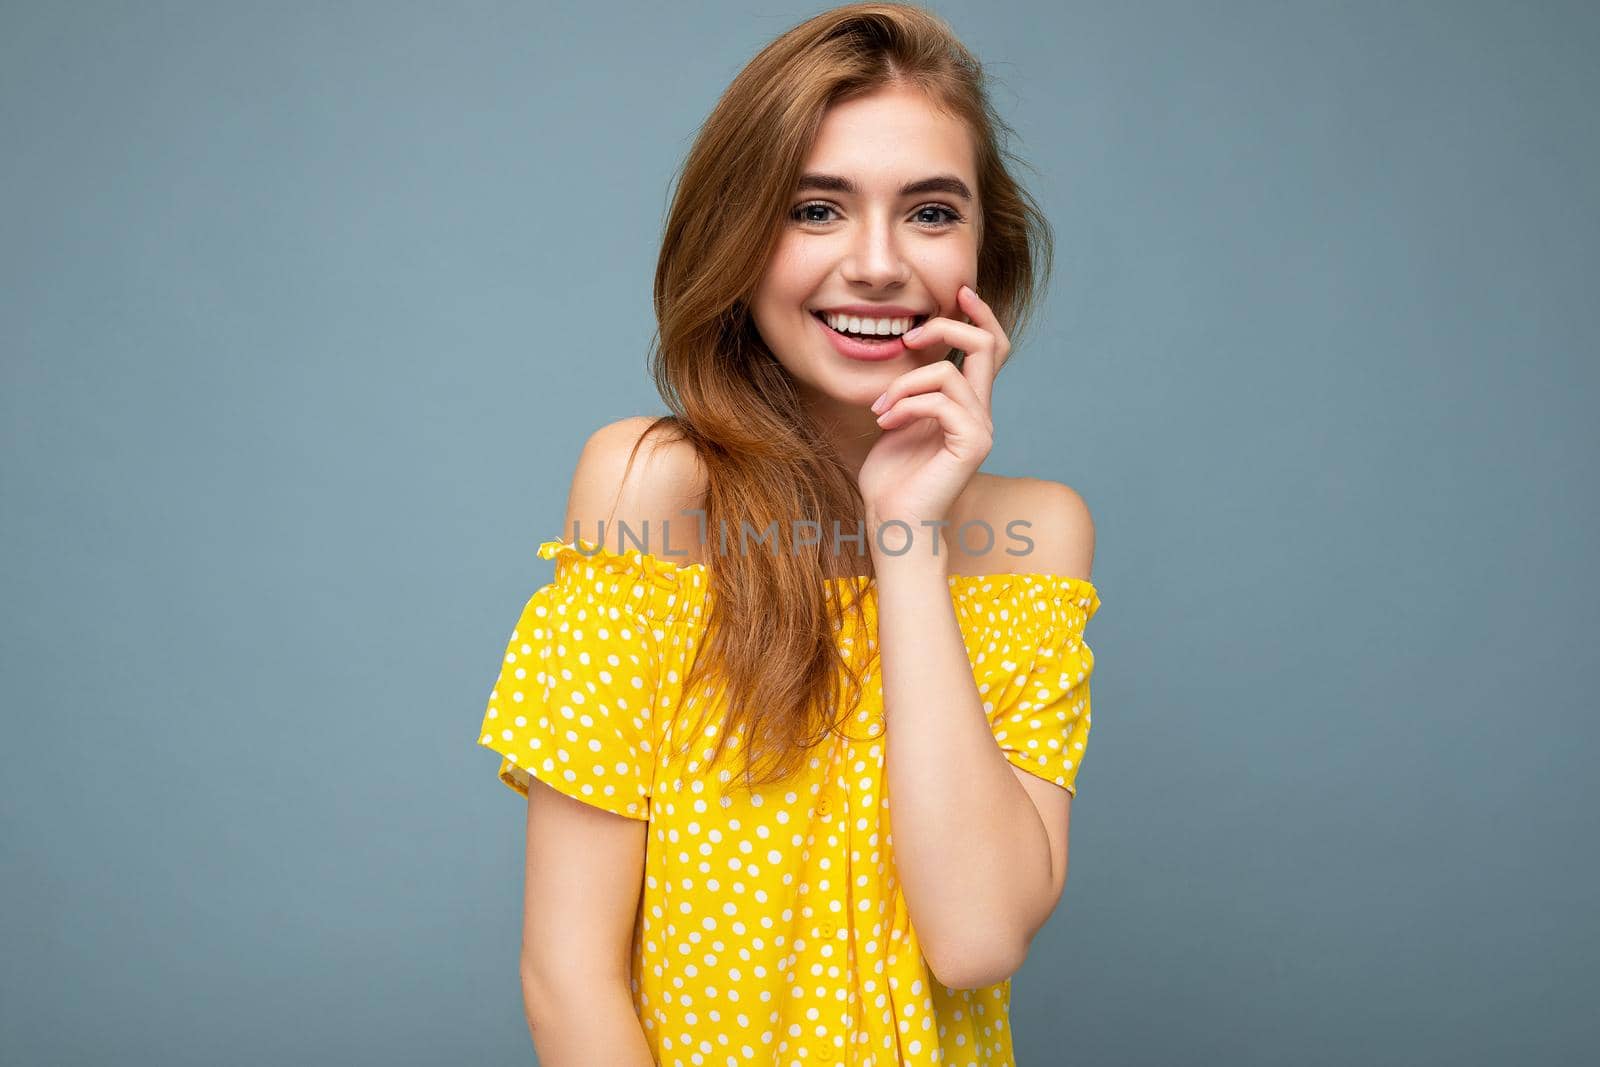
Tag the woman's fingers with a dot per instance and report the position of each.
(983, 317)
(957, 422)
(983, 338)
(935, 377)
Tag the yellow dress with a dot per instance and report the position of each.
(772, 929)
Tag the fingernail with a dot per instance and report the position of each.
(911, 334)
(877, 405)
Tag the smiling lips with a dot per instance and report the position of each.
(867, 349)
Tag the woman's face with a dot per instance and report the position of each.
(873, 245)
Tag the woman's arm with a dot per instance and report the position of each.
(969, 848)
(585, 871)
(584, 1026)
(585, 866)
(982, 863)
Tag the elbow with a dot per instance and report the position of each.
(539, 986)
(977, 967)
(988, 956)
(532, 987)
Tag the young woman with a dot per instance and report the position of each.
(715, 732)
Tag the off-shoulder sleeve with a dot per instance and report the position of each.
(1039, 703)
(573, 701)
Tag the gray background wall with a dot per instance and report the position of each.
(306, 309)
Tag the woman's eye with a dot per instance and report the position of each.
(948, 216)
(798, 214)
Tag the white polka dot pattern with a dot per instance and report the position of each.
(573, 702)
(772, 928)
(1034, 677)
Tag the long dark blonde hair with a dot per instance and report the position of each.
(771, 634)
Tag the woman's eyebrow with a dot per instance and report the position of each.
(833, 183)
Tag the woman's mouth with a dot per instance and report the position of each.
(863, 346)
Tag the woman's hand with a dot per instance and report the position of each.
(936, 422)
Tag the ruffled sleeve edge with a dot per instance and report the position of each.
(658, 588)
(519, 779)
(1054, 613)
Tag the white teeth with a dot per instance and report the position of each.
(856, 324)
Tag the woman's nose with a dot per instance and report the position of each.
(876, 257)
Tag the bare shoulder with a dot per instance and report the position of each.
(639, 472)
(1048, 522)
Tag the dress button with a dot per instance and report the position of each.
(825, 930)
